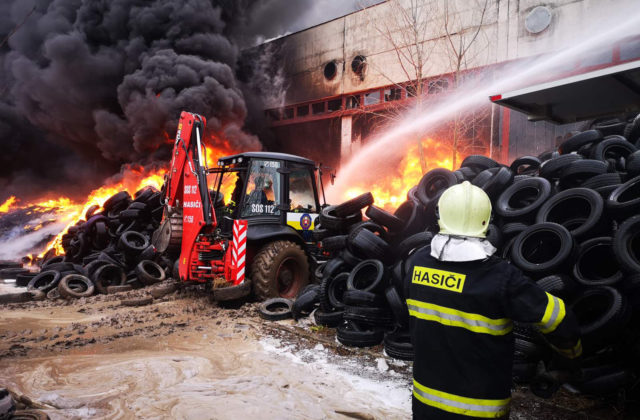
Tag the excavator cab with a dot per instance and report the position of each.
(277, 196)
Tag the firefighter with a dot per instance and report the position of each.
(463, 300)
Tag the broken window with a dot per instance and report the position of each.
(352, 102)
(334, 105)
(358, 65)
(372, 98)
(392, 94)
(303, 110)
(301, 196)
(317, 108)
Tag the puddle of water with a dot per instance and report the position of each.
(9, 286)
(209, 376)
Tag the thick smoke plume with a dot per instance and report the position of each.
(89, 86)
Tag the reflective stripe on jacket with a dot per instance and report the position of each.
(462, 317)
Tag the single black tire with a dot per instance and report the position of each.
(75, 286)
(132, 243)
(44, 281)
(335, 290)
(580, 171)
(542, 248)
(612, 147)
(334, 243)
(368, 225)
(370, 245)
(580, 210)
(398, 345)
(351, 335)
(326, 303)
(498, 183)
(306, 301)
(413, 215)
(331, 221)
(354, 205)
(398, 307)
(275, 309)
(602, 180)
(552, 168)
(581, 139)
(149, 272)
(384, 218)
(599, 312)
(632, 164)
(116, 200)
(624, 201)
(54, 260)
(279, 269)
(328, 319)
(525, 165)
(625, 245)
(434, 181)
(349, 258)
(484, 176)
(596, 264)
(479, 162)
(108, 275)
(367, 276)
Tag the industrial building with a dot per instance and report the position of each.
(345, 77)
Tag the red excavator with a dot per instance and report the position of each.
(263, 230)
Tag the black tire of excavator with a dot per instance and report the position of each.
(265, 265)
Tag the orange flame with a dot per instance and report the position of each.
(392, 190)
(7, 205)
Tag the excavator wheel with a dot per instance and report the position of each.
(280, 269)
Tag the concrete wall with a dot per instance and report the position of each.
(502, 37)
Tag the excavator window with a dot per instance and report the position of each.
(301, 197)
(263, 189)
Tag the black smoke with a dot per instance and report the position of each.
(89, 86)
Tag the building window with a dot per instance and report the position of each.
(411, 91)
(352, 102)
(437, 86)
(317, 108)
(274, 114)
(330, 70)
(392, 94)
(303, 110)
(287, 113)
(372, 98)
(358, 65)
(334, 105)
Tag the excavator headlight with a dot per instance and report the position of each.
(239, 160)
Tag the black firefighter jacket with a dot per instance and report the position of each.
(462, 317)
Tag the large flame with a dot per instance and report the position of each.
(391, 190)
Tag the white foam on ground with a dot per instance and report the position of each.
(384, 386)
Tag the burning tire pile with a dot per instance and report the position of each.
(570, 219)
(109, 251)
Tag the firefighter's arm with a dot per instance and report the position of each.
(526, 302)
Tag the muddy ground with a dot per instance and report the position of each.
(185, 357)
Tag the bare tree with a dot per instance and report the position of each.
(420, 33)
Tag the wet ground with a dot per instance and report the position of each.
(185, 357)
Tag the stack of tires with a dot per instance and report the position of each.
(569, 218)
(109, 251)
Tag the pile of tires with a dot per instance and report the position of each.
(108, 251)
(569, 219)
